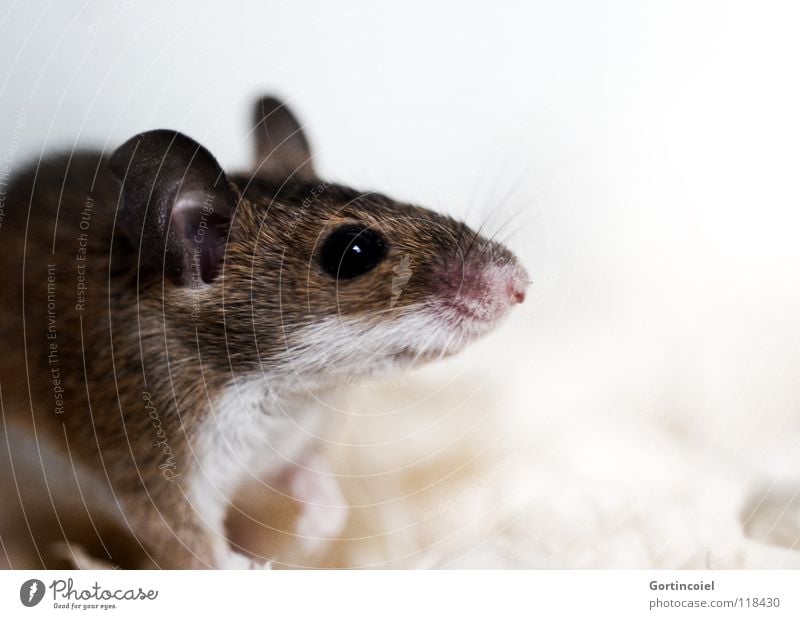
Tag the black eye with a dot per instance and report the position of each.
(351, 250)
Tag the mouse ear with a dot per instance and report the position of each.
(176, 204)
(282, 150)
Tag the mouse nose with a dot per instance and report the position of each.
(517, 285)
(483, 291)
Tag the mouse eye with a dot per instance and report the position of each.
(351, 250)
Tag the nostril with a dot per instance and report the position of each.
(516, 291)
(517, 287)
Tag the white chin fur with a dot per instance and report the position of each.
(339, 346)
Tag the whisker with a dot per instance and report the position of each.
(524, 226)
(484, 196)
(513, 190)
(474, 238)
(514, 216)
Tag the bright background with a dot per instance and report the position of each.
(647, 152)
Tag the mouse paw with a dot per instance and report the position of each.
(324, 509)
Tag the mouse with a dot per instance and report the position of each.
(165, 324)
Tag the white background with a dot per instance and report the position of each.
(652, 132)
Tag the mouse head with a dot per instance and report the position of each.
(287, 274)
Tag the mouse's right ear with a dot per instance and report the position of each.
(176, 204)
(282, 149)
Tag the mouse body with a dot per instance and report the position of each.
(165, 324)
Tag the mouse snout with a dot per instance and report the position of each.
(517, 285)
(483, 291)
(508, 282)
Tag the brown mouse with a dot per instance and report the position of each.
(164, 321)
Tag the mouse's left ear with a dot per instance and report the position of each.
(176, 204)
(282, 149)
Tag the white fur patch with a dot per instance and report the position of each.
(340, 346)
(249, 432)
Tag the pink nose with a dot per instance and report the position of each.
(483, 292)
(518, 283)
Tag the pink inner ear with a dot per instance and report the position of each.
(211, 256)
(204, 233)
